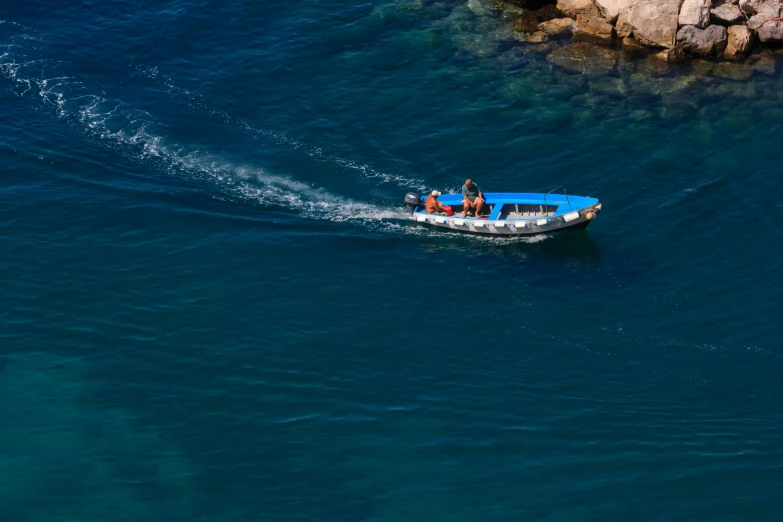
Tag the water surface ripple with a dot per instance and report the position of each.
(214, 307)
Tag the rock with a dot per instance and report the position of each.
(574, 7)
(527, 23)
(655, 23)
(535, 37)
(727, 14)
(611, 9)
(770, 8)
(695, 12)
(548, 12)
(591, 61)
(557, 26)
(740, 40)
(703, 41)
(595, 26)
(622, 27)
(669, 55)
(529, 20)
(768, 31)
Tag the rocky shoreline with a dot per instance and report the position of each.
(671, 29)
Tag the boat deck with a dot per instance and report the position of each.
(514, 213)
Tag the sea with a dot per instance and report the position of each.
(214, 305)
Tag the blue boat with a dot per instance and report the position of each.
(511, 213)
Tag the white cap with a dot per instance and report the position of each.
(435, 193)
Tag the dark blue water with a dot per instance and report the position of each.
(213, 306)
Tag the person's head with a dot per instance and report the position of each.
(435, 194)
(468, 183)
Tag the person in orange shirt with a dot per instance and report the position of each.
(432, 205)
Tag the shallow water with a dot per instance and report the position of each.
(214, 307)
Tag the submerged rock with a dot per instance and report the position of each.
(653, 65)
(595, 26)
(632, 45)
(536, 37)
(695, 13)
(727, 14)
(643, 83)
(703, 41)
(679, 105)
(733, 71)
(640, 115)
(764, 64)
(611, 86)
(701, 67)
(591, 61)
(740, 40)
(480, 7)
(557, 26)
(655, 23)
(477, 45)
(744, 90)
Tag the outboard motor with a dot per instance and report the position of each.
(413, 201)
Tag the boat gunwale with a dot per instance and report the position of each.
(498, 199)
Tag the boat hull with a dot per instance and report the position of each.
(488, 229)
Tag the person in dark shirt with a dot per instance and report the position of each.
(472, 198)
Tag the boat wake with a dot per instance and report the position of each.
(137, 135)
(198, 102)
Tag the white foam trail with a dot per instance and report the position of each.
(365, 171)
(6, 22)
(133, 132)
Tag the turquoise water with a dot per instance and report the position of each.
(213, 306)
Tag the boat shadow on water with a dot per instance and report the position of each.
(564, 245)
